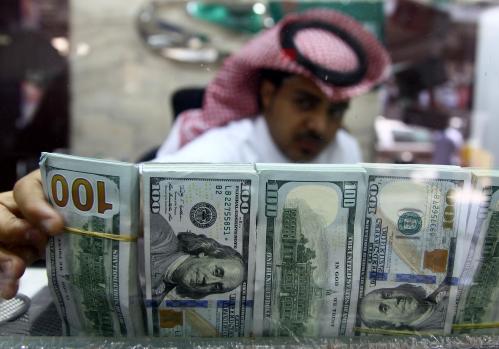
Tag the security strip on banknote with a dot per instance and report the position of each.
(308, 249)
(199, 235)
(414, 219)
(93, 279)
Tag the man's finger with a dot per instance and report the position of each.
(12, 267)
(29, 196)
(27, 254)
(8, 288)
(11, 224)
(7, 200)
(16, 231)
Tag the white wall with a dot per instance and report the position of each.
(121, 90)
(485, 121)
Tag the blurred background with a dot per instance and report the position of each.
(105, 78)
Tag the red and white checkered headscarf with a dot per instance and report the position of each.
(233, 94)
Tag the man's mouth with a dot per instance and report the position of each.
(309, 146)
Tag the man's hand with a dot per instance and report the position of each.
(26, 221)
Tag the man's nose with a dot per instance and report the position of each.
(318, 123)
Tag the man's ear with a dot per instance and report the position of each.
(267, 91)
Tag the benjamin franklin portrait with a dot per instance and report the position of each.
(405, 307)
(193, 265)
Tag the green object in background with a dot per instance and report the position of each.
(240, 16)
(368, 12)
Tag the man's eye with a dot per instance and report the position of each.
(219, 272)
(383, 308)
(305, 103)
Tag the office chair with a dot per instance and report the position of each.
(181, 100)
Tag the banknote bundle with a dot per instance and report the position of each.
(413, 222)
(308, 247)
(478, 299)
(199, 229)
(92, 269)
(235, 250)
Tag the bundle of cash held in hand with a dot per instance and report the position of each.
(237, 250)
(94, 277)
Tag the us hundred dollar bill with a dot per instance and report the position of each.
(478, 302)
(94, 280)
(414, 218)
(199, 237)
(308, 249)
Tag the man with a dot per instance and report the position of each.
(194, 265)
(405, 307)
(282, 97)
(299, 76)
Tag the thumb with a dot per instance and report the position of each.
(31, 202)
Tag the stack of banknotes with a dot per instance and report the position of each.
(233, 250)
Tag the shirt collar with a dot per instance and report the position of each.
(168, 276)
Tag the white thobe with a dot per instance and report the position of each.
(249, 141)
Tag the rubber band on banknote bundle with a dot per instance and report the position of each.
(96, 234)
(394, 332)
(465, 326)
(455, 327)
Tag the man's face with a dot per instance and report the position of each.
(397, 306)
(207, 275)
(301, 119)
